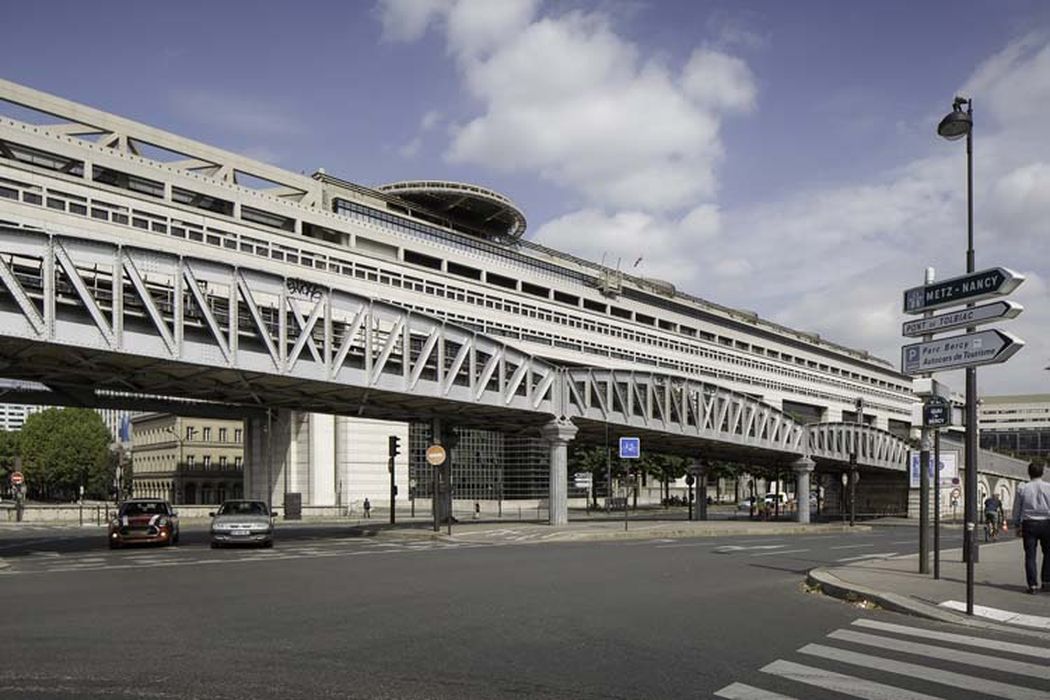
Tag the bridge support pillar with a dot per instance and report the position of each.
(803, 468)
(267, 444)
(558, 433)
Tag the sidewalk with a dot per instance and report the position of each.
(895, 584)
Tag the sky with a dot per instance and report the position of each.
(779, 157)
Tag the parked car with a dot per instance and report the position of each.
(744, 504)
(772, 498)
(144, 521)
(242, 522)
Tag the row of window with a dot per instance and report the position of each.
(155, 435)
(156, 223)
(434, 288)
(158, 461)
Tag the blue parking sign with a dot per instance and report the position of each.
(630, 448)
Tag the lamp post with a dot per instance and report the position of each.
(954, 126)
(178, 465)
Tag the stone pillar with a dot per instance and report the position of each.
(803, 467)
(266, 455)
(558, 433)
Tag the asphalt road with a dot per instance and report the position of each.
(330, 614)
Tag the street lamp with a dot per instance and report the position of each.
(953, 127)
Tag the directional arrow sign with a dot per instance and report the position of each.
(983, 348)
(975, 316)
(961, 290)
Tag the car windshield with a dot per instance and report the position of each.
(144, 508)
(243, 508)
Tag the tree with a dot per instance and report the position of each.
(590, 459)
(63, 449)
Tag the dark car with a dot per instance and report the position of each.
(242, 522)
(145, 521)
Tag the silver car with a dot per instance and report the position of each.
(242, 522)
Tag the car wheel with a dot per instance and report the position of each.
(113, 544)
(268, 544)
(214, 545)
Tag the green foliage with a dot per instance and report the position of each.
(64, 448)
(8, 451)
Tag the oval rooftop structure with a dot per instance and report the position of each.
(465, 207)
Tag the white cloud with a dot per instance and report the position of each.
(407, 20)
(568, 99)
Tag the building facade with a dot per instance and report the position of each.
(187, 460)
(453, 251)
(1017, 425)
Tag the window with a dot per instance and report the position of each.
(222, 462)
(222, 434)
(206, 435)
(189, 432)
(237, 462)
(207, 461)
(190, 460)
(237, 435)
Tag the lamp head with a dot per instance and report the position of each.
(957, 123)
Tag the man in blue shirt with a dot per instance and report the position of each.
(1031, 517)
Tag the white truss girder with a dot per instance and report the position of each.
(129, 300)
(670, 404)
(872, 446)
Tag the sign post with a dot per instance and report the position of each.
(630, 448)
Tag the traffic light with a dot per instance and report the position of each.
(395, 446)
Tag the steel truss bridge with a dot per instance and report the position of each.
(101, 310)
(83, 314)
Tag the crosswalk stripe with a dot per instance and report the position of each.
(1021, 668)
(743, 691)
(842, 683)
(966, 640)
(927, 673)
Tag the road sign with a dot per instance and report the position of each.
(583, 480)
(630, 448)
(961, 290)
(936, 412)
(436, 455)
(962, 318)
(17, 479)
(982, 348)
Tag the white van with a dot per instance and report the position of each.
(771, 499)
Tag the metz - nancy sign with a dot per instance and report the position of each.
(961, 290)
(973, 316)
(983, 348)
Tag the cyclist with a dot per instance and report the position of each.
(993, 516)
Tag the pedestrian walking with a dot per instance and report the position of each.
(1031, 516)
(368, 509)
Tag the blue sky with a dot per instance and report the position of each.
(774, 156)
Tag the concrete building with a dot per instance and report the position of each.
(1017, 425)
(451, 251)
(187, 460)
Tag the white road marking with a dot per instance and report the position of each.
(985, 660)
(779, 551)
(742, 691)
(842, 683)
(883, 555)
(927, 673)
(852, 546)
(965, 640)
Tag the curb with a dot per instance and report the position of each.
(832, 586)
